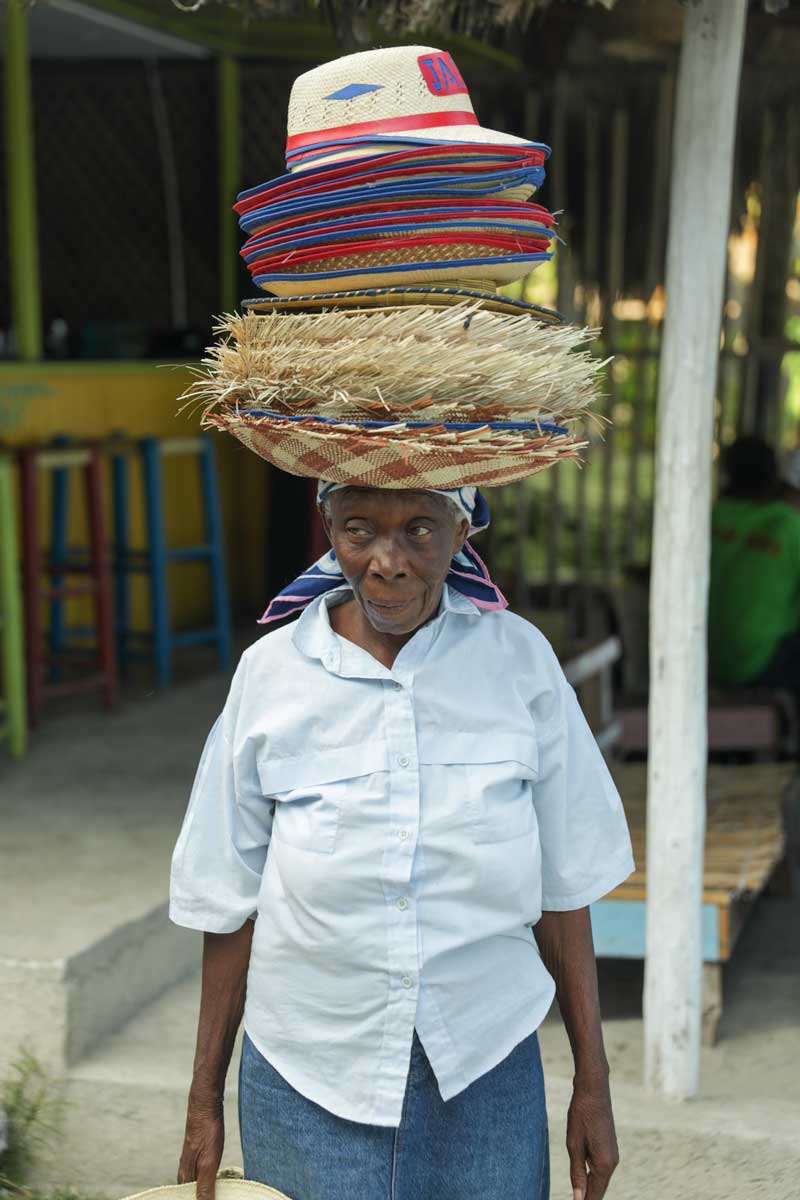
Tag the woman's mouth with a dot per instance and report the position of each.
(388, 609)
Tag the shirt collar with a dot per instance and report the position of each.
(314, 637)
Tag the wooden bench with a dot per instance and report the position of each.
(755, 721)
(749, 811)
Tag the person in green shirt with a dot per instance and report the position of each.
(754, 599)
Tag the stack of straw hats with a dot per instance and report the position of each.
(409, 216)
(383, 354)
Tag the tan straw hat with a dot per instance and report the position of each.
(406, 93)
(224, 1189)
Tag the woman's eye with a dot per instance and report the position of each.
(357, 531)
(420, 530)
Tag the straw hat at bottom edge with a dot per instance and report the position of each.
(225, 1189)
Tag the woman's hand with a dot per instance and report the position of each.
(591, 1139)
(202, 1144)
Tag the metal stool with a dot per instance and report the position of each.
(94, 567)
(156, 558)
(13, 722)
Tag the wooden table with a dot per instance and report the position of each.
(746, 821)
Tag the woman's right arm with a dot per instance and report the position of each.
(226, 957)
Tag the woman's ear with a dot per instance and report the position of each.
(462, 532)
(325, 517)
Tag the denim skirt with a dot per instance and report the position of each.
(487, 1143)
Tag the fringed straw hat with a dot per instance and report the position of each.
(400, 397)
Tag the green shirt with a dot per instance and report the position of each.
(755, 585)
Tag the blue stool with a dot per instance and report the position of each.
(155, 560)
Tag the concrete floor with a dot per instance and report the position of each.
(90, 817)
(88, 822)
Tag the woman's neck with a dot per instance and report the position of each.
(350, 622)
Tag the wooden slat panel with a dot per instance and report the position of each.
(744, 827)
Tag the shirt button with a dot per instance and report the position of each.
(407, 981)
(402, 834)
(402, 902)
(404, 760)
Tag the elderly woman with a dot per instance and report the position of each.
(398, 824)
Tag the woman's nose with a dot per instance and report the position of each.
(388, 561)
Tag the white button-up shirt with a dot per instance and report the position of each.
(396, 834)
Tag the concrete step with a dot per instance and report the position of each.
(89, 820)
(60, 1008)
(126, 1104)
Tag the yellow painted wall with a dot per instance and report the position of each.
(39, 401)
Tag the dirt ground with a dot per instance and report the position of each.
(739, 1138)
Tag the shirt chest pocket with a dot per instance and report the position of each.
(488, 782)
(311, 791)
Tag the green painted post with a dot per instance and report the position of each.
(229, 135)
(12, 702)
(22, 224)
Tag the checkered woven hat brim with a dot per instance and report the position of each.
(391, 460)
(401, 397)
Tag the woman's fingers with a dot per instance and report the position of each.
(591, 1143)
(577, 1171)
(206, 1178)
(202, 1152)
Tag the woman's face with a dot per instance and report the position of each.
(394, 549)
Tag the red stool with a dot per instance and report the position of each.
(95, 569)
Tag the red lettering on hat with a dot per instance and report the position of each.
(441, 74)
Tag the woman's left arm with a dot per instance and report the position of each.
(565, 944)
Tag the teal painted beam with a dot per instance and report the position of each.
(618, 929)
(26, 303)
(229, 135)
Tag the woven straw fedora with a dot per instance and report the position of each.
(224, 1189)
(406, 93)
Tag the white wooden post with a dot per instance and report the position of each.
(702, 157)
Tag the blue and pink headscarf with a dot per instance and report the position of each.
(468, 573)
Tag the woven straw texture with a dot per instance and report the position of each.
(386, 461)
(294, 387)
(476, 273)
(395, 256)
(344, 234)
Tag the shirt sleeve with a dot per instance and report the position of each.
(222, 847)
(586, 847)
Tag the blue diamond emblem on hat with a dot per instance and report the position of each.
(354, 89)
